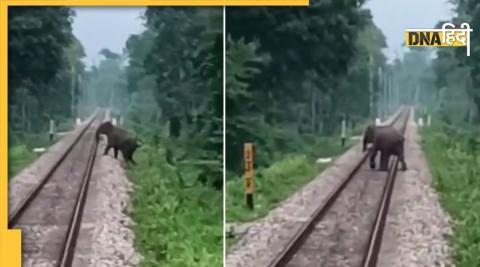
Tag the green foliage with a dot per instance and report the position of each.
(44, 67)
(174, 225)
(178, 84)
(293, 71)
(455, 167)
(42, 54)
(174, 80)
(457, 77)
(18, 158)
(440, 84)
(469, 11)
(36, 60)
(272, 185)
(20, 152)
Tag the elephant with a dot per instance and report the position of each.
(118, 139)
(389, 141)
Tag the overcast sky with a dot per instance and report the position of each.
(110, 27)
(394, 16)
(105, 27)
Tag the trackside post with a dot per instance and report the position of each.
(51, 131)
(248, 154)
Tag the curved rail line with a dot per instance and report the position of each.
(65, 257)
(299, 238)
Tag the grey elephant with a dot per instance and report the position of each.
(118, 139)
(389, 141)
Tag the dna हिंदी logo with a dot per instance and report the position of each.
(444, 37)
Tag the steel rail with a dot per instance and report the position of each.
(370, 258)
(298, 239)
(68, 252)
(25, 202)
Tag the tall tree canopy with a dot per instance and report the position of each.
(42, 53)
(177, 63)
(294, 71)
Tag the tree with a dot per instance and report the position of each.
(178, 60)
(42, 52)
(293, 72)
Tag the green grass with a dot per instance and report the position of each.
(175, 225)
(272, 185)
(456, 170)
(19, 157)
(20, 151)
(280, 180)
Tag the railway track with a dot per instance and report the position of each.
(50, 214)
(346, 229)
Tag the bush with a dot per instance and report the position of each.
(176, 225)
(456, 168)
(18, 158)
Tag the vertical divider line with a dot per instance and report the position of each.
(224, 137)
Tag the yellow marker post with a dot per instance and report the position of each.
(248, 153)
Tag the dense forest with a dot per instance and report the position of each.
(153, 83)
(166, 85)
(43, 69)
(444, 81)
(293, 73)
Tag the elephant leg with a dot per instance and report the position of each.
(127, 156)
(384, 160)
(124, 155)
(131, 160)
(115, 150)
(372, 158)
(130, 156)
(107, 148)
(404, 164)
(401, 157)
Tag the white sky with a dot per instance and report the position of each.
(394, 16)
(110, 27)
(105, 27)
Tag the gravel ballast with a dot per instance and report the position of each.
(105, 236)
(266, 237)
(416, 230)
